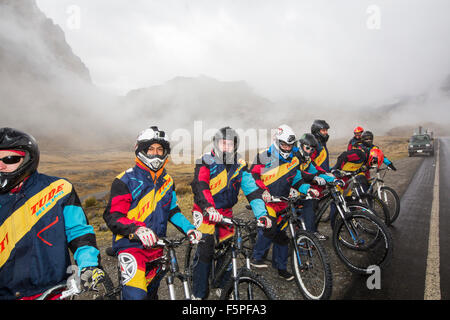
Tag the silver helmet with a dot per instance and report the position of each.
(145, 139)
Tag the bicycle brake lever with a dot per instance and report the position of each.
(227, 220)
(73, 289)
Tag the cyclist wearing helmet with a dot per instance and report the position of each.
(320, 156)
(351, 160)
(41, 218)
(218, 177)
(141, 203)
(356, 140)
(367, 145)
(311, 174)
(277, 170)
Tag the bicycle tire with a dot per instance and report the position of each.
(350, 255)
(358, 206)
(393, 205)
(322, 283)
(249, 280)
(378, 207)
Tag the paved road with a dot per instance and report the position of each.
(405, 277)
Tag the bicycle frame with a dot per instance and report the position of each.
(338, 198)
(377, 182)
(236, 246)
(293, 219)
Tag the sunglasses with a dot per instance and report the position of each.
(11, 159)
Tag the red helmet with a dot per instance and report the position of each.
(376, 157)
(358, 130)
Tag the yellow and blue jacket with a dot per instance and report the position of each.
(38, 224)
(141, 198)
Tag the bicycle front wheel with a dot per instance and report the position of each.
(250, 286)
(377, 205)
(391, 200)
(362, 241)
(311, 267)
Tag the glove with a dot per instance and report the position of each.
(293, 193)
(197, 218)
(313, 193)
(90, 277)
(213, 214)
(340, 183)
(147, 236)
(265, 220)
(391, 166)
(266, 196)
(194, 236)
(319, 181)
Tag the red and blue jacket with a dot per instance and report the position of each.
(217, 185)
(354, 143)
(351, 160)
(141, 198)
(38, 224)
(276, 174)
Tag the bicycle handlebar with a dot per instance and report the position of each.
(165, 242)
(240, 222)
(72, 290)
(291, 199)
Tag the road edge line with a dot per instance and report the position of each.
(432, 276)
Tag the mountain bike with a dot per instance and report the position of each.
(356, 196)
(243, 283)
(309, 260)
(388, 195)
(361, 240)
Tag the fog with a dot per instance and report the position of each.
(379, 64)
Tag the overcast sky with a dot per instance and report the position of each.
(340, 52)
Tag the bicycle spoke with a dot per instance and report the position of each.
(372, 247)
(311, 268)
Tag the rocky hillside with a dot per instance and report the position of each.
(31, 44)
(45, 88)
(182, 100)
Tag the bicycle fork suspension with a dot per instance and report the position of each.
(352, 232)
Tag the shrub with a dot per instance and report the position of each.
(90, 202)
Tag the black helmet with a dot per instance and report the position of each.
(12, 139)
(367, 138)
(307, 140)
(226, 133)
(145, 139)
(315, 130)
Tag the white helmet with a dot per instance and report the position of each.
(287, 135)
(145, 139)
